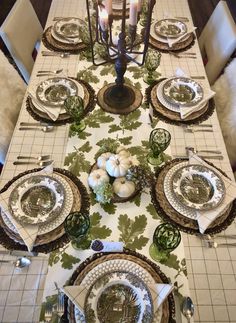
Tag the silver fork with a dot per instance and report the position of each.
(39, 163)
(43, 157)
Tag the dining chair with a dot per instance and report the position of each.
(21, 32)
(218, 41)
(11, 96)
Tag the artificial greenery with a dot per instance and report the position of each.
(104, 193)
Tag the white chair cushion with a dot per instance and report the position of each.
(218, 40)
(20, 32)
(11, 96)
(225, 99)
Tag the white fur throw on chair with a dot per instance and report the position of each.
(225, 99)
(12, 90)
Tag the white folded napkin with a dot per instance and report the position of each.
(205, 218)
(172, 41)
(159, 293)
(27, 232)
(52, 112)
(208, 94)
(77, 294)
(186, 111)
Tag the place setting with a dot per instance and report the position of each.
(194, 195)
(34, 206)
(172, 35)
(118, 286)
(65, 35)
(180, 100)
(47, 102)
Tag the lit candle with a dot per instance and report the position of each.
(108, 6)
(133, 12)
(103, 19)
(139, 5)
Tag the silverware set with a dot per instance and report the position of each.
(210, 242)
(207, 153)
(184, 19)
(43, 160)
(183, 55)
(58, 54)
(34, 126)
(197, 129)
(38, 163)
(48, 73)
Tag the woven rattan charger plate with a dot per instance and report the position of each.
(178, 47)
(89, 105)
(169, 214)
(172, 117)
(168, 307)
(57, 46)
(56, 238)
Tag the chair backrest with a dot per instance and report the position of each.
(20, 32)
(218, 40)
(11, 96)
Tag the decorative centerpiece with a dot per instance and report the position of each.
(117, 176)
(118, 97)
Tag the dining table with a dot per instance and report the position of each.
(207, 275)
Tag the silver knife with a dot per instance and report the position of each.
(202, 156)
(19, 253)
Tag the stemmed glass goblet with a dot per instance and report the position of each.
(165, 239)
(77, 226)
(74, 106)
(152, 61)
(159, 140)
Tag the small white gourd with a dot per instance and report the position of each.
(97, 177)
(123, 188)
(133, 161)
(102, 159)
(117, 166)
(122, 151)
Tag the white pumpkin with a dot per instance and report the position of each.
(117, 166)
(122, 187)
(102, 159)
(97, 177)
(122, 151)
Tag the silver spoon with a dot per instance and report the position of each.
(19, 263)
(44, 128)
(187, 308)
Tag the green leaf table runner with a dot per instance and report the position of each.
(132, 222)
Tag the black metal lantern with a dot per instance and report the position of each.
(119, 97)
